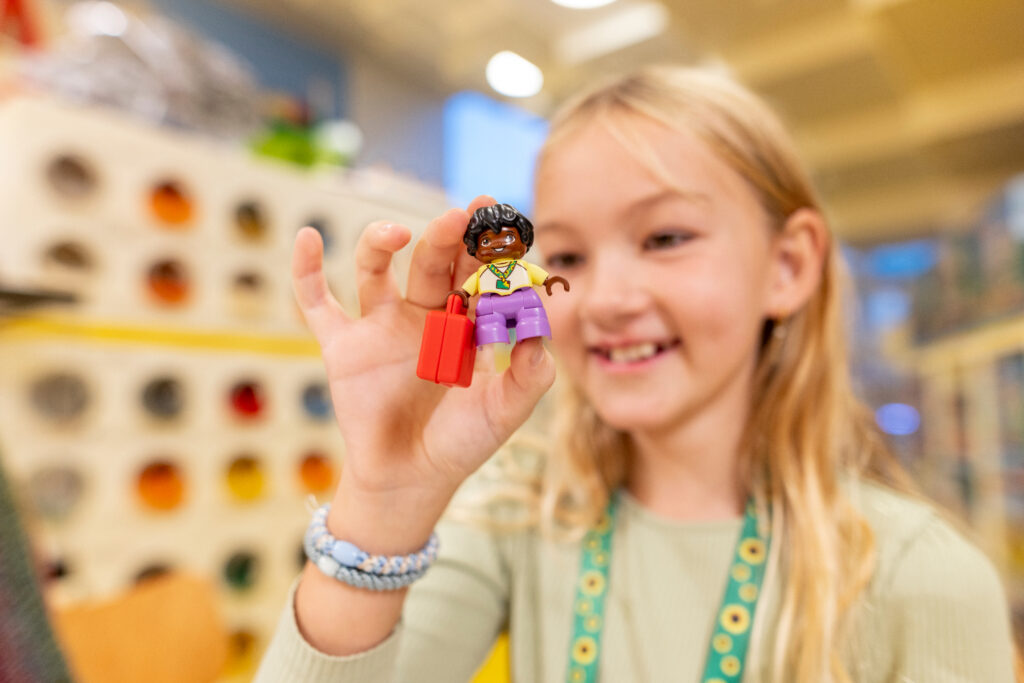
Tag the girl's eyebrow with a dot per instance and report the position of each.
(645, 202)
(666, 195)
(553, 226)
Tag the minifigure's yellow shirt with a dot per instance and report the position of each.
(504, 276)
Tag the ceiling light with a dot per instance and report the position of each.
(514, 76)
(582, 4)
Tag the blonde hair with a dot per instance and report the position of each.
(807, 432)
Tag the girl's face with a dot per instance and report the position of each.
(669, 288)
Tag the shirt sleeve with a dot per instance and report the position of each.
(450, 620)
(537, 274)
(290, 658)
(952, 617)
(472, 283)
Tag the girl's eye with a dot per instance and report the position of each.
(666, 240)
(510, 238)
(564, 260)
(485, 242)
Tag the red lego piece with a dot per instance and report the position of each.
(448, 349)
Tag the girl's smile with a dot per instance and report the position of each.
(632, 356)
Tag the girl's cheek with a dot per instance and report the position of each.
(559, 310)
(725, 313)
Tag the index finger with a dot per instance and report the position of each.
(431, 270)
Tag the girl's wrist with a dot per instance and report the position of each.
(386, 522)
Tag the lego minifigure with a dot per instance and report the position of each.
(499, 236)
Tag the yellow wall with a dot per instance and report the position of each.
(496, 669)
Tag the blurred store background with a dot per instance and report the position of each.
(163, 413)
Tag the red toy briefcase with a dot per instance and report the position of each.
(448, 349)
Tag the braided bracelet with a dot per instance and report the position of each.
(344, 561)
(355, 577)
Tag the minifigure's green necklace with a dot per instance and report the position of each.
(502, 275)
(728, 647)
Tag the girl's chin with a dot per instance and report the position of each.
(631, 418)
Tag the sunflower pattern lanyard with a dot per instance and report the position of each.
(731, 636)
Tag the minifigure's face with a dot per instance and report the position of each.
(491, 246)
(669, 284)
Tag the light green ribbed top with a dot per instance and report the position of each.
(935, 611)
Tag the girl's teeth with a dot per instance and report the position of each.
(632, 354)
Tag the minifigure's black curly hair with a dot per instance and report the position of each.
(494, 218)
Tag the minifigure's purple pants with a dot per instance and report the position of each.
(522, 309)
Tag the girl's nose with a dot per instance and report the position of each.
(613, 293)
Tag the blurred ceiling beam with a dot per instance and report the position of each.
(916, 206)
(975, 101)
(630, 25)
(947, 111)
(799, 48)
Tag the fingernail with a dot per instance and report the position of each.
(537, 356)
(385, 229)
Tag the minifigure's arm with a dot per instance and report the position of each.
(472, 284)
(462, 294)
(537, 274)
(552, 280)
(470, 287)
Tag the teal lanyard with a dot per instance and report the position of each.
(728, 648)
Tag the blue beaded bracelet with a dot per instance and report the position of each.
(344, 561)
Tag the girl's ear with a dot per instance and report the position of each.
(798, 257)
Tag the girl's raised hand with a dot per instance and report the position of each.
(404, 434)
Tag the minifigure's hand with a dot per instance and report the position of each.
(462, 294)
(552, 280)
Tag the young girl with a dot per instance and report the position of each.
(717, 506)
